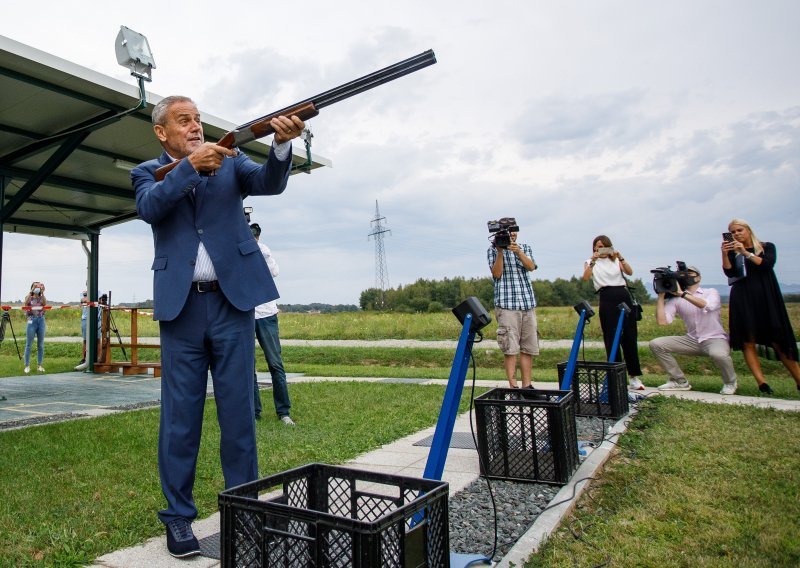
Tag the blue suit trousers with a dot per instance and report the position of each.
(208, 334)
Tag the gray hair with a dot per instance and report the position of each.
(159, 114)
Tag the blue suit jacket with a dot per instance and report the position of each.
(186, 208)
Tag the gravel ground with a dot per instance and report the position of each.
(11, 424)
(518, 505)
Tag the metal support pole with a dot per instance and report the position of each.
(3, 183)
(91, 322)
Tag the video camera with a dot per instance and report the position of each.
(501, 231)
(666, 280)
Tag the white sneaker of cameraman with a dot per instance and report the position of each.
(672, 385)
(729, 389)
(635, 383)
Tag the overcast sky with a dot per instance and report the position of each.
(654, 123)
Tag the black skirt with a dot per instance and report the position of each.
(757, 313)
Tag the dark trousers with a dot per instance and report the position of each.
(610, 298)
(208, 334)
(268, 336)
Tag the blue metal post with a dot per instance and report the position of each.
(614, 349)
(615, 346)
(434, 468)
(572, 362)
(452, 397)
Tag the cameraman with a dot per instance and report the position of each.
(514, 305)
(699, 308)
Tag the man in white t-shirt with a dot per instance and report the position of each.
(268, 336)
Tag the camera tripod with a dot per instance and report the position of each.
(112, 326)
(6, 321)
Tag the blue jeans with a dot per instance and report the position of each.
(268, 338)
(35, 327)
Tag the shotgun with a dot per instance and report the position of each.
(309, 108)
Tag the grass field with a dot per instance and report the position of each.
(554, 323)
(694, 485)
(76, 490)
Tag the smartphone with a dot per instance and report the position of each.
(727, 237)
(606, 250)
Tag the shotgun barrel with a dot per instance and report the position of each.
(309, 108)
(358, 86)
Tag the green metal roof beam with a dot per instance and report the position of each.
(58, 206)
(11, 224)
(64, 91)
(69, 183)
(114, 221)
(58, 157)
(83, 147)
(83, 128)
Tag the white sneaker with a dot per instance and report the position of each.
(40, 369)
(82, 366)
(27, 369)
(675, 386)
(635, 383)
(288, 421)
(728, 389)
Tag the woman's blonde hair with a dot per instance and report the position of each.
(757, 247)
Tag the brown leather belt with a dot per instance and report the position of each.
(205, 285)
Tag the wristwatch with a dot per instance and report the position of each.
(684, 294)
(751, 255)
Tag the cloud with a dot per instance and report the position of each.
(653, 124)
(587, 124)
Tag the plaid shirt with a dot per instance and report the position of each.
(512, 291)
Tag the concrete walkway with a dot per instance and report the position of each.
(397, 343)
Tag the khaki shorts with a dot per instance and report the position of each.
(517, 331)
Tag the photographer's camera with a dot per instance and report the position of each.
(500, 231)
(666, 280)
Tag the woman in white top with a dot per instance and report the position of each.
(607, 269)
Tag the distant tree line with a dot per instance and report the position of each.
(296, 308)
(438, 295)
(318, 308)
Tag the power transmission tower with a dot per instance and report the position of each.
(381, 270)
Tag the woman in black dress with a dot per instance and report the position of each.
(757, 313)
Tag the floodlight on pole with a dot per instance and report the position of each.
(133, 52)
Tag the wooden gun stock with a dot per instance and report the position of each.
(253, 131)
(309, 108)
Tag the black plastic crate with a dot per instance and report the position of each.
(527, 435)
(329, 516)
(600, 388)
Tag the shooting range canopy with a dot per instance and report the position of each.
(74, 186)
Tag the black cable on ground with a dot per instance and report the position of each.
(475, 441)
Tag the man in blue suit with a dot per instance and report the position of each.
(208, 275)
